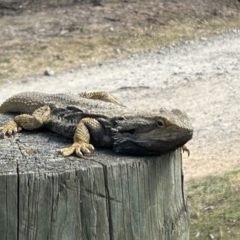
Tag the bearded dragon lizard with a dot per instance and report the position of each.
(99, 119)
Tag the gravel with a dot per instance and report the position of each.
(201, 77)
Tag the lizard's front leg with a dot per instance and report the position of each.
(26, 121)
(185, 149)
(81, 145)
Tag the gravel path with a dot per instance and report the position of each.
(202, 77)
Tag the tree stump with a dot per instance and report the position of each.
(105, 196)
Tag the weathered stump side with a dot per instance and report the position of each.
(105, 196)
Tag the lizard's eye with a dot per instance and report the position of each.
(160, 123)
(120, 118)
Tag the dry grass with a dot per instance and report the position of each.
(215, 207)
(29, 54)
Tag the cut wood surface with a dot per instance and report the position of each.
(105, 196)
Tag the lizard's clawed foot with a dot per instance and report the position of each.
(185, 149)
(10, 129)
(80, 148)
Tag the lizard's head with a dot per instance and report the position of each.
(152, 133)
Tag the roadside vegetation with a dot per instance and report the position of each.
(36, 39)
(214, 203)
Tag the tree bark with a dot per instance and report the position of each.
(105, 196)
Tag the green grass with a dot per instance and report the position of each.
(215, 207)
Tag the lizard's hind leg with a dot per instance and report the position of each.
(100, 95)
(10, 128)
(26, 121)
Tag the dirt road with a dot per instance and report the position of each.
(202, 77)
